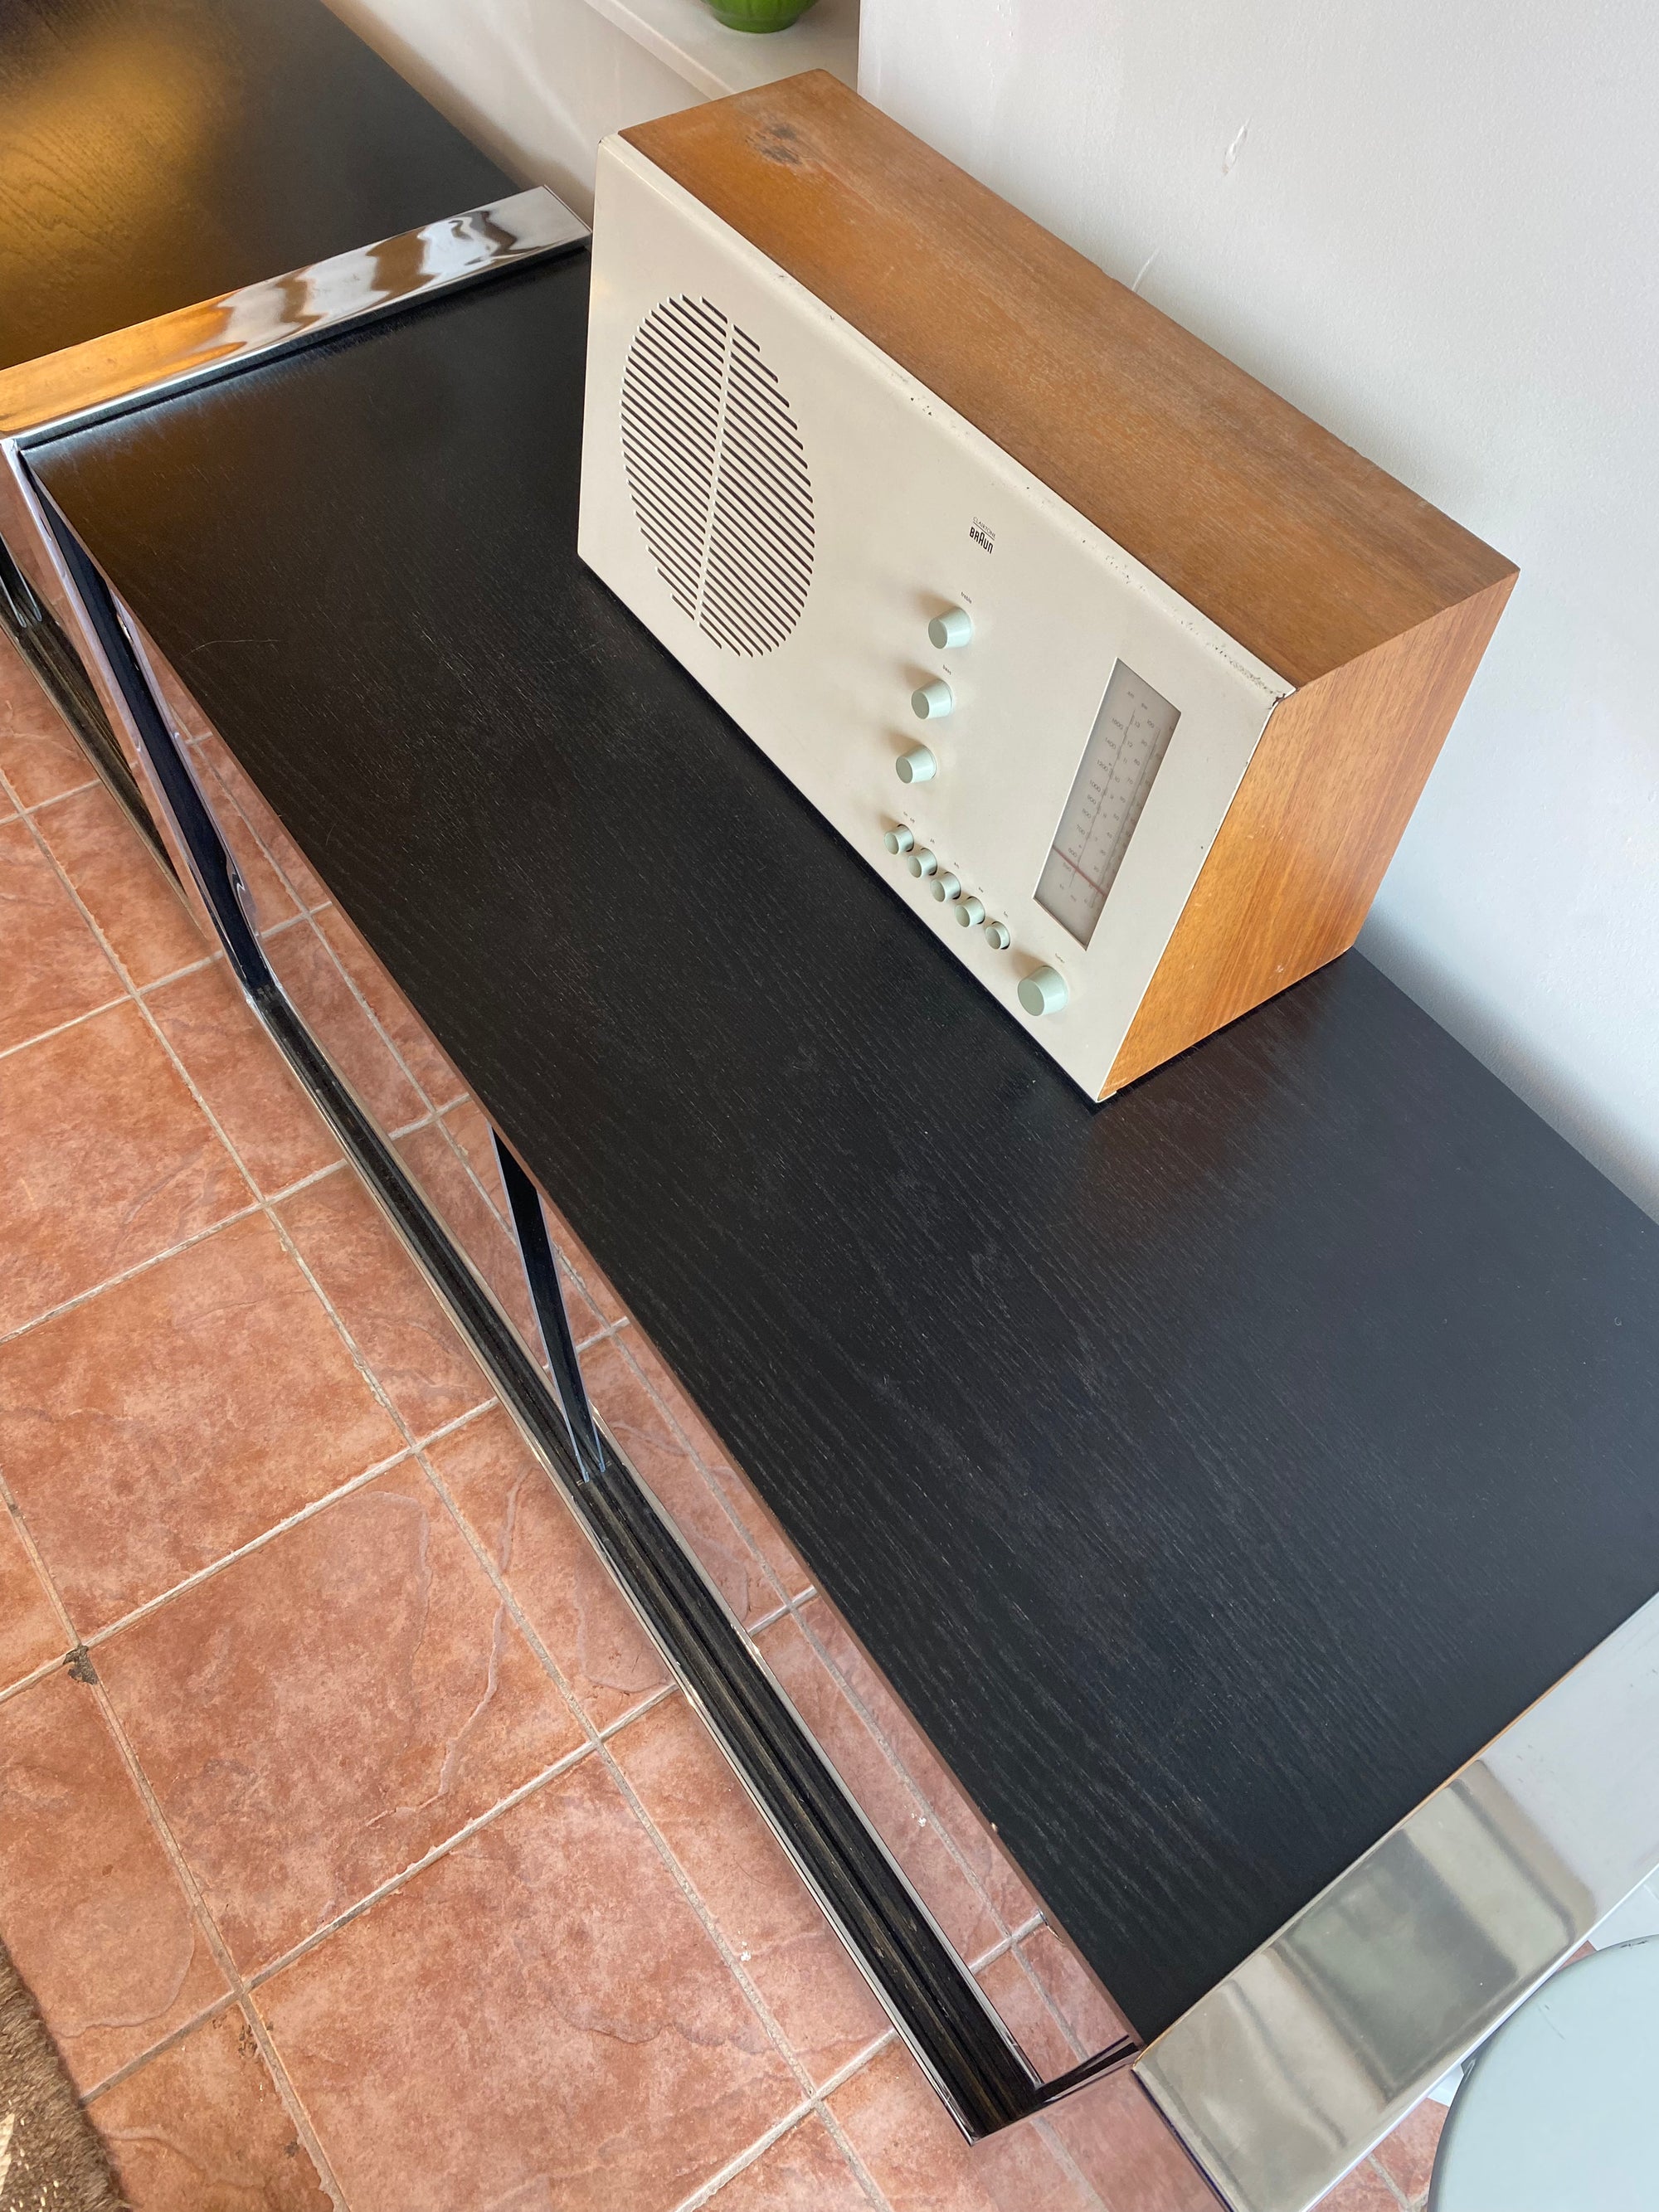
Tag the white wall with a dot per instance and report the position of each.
(537, 83)
(1435, 228)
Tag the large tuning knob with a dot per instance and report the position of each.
(1043, 990)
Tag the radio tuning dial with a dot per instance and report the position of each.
(921, 862)
(1043, 990)
(954, 626)
(917, 766)
(900, 839)
(934, 700)
(947, 885)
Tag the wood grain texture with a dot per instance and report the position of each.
(1310, 832)
(1301, 549)
(1212, 1472)
(157, 152)
(1374, 605)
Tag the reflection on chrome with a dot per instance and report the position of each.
(1312, 2050)
(87, 383)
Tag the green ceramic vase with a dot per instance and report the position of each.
(757, 15)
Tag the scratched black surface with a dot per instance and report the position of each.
(157, 152)
(1212, 1472)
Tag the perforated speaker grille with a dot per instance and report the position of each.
(718, 476)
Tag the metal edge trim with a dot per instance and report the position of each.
(1306, 2055)
(943, 2016)
(190, 346)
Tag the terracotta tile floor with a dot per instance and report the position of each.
(357, 1845)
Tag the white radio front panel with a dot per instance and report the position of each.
(809, 530)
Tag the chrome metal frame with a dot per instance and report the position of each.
(980, 2074)
(1303, 2057)
(152, 361)
(176, 353)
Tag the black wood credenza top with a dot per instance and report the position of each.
(1212, 1472)
(159, 152)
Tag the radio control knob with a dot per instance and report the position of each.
(917, 766)
(970, 913)
(947, 886)
(954, 626)
(997, 936)
(1043, 990)
(934, 701)
(901, 840)
(921, 862)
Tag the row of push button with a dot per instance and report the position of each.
(1044, 991)
(946, 886)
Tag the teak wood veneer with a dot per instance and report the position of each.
(1372, 604)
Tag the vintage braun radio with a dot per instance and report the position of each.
(1124, 674)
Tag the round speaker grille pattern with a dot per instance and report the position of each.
(718, 476)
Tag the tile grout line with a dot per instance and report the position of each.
(600, 1744)
(127, 1274)
(565, 1266)
(111, 1722)
(434, 1109)
(722, 1504)
(814, 2103)
(42, 1673)
(1014, 1937)
(596, 1741)
(261, 1204)
(61, 1029)
(288, 921)
(205, 1923)
(1388, 2180)
(9, 788)
(215, 1567)
(607, 1330)
(198, 753)
(1003, 1946)
(771, 1619)
(178, 975)
(749, 2155)
(844, 2143)
(553, 1773)
(168, 2041)
(1050, 2002)
(305, 1182)
(264, 1201)
(93, 782)
(716, 1934)
(547, 1775)
(787, 1604)
(221, 1950)
(267, 1207)
(510, 1604)
(435, 1115)
(899, 1766)
(445, 1430)
(1060, 2151)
